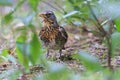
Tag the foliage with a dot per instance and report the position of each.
(117, 21)
(6, 2)
(29, 50)
(115, 41)
(88, 60)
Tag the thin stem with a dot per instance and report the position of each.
(109, 52)
(101, 29)
(98, 25)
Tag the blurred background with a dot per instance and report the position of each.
(90, 24)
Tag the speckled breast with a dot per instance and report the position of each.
(48, 35)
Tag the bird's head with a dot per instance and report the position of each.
(48, 16)
(49, 19)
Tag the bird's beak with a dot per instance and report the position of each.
(42, 14)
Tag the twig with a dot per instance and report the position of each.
(104, 22)
(99, 26)
(101, 29)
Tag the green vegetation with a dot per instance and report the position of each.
(19, 27)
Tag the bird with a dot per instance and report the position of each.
(52, 35)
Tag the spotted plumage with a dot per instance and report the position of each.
(51, 34)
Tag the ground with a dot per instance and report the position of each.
(77, 41)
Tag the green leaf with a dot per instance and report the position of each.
(14, 75)
(22, 49)
(12, 59)
(55, 67)
(28, 51)
(58, 71)
(117, 73)
(3, 59)
(35, 49)
(27, 19)
(22, 53)
(8, 57)
(110, 9)
(115, 38)
(117, 23)
(6, 2)
(19, 4)
(21, 38)
(70, 14)
(34, 4)
(4, 52)
(8, 18)
(91, 62)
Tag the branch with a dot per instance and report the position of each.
(101, 29)
(98, 25)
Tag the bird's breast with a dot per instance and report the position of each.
(54, 38)
(48, 34)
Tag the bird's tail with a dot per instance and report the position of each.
(63, 48)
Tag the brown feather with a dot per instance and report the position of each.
(52, 35)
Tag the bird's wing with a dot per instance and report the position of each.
(63, 32)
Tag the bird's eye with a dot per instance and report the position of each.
(48, 15)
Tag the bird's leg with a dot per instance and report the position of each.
(60, 52)
(47, 52)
